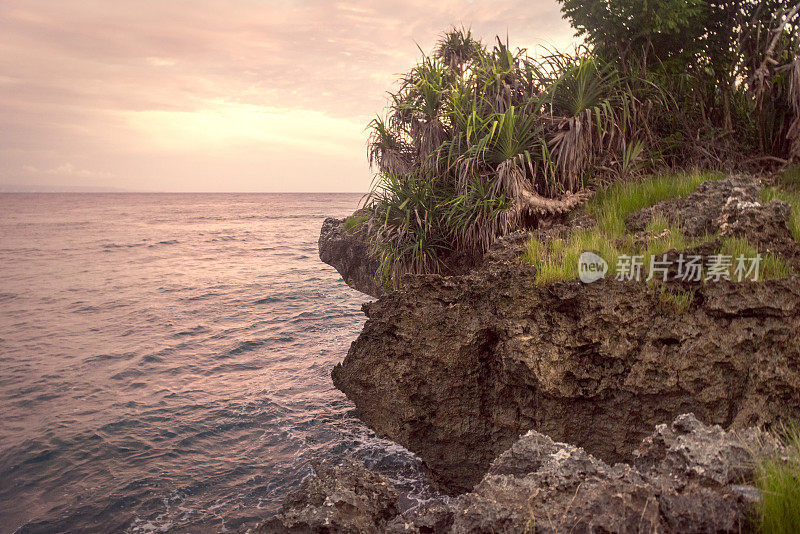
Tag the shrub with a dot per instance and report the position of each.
(479, 141)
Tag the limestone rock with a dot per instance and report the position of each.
(349, 253)
(456, 368)
(687, 477)
(344, 499)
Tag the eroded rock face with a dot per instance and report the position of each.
(349, 253)
(686, 477)
(456, 368)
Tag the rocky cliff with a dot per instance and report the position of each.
(686, 477)
(349, 253)
(457, 368)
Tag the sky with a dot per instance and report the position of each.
(219, 95)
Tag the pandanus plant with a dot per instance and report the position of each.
(457, 50)
(479, 142)
(598, 122)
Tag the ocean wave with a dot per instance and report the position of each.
(246, 346)
(184, 383)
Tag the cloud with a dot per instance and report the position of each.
(108, 84)
(67, 169)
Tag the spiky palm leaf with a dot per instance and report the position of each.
(457, 49)
(385, 149)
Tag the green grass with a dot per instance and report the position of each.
(674, 300)
(771, 267)
(787, 189)
(792, 197)
(354, 222)
(779, 482)
(557, 260)
(789, 179)
(612, 206)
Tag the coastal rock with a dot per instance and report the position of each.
(542, 485)
(349, 253)
(698, 213)
(343, 499)
(456, 368)
(686, 477)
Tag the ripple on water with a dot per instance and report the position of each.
(169, 368)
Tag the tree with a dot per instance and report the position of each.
(623, 29)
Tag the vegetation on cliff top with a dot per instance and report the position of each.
(557, 259)
(479, 141)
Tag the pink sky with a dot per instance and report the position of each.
(213, 95)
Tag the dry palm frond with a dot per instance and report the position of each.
(572, 145)
(549, 206)
(428, 135)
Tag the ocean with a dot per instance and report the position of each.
(165, 360)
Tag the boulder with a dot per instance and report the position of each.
(342, 499)
(698, 213)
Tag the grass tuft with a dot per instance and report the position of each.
(674, 300)
(769, 194)
(354, 222)
(612, 206)
(787, 189)
(771, 267)
(779, 482)
(789, 179)
(557, 260)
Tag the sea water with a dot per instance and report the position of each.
(165, 360)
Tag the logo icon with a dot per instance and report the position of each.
(591, 267)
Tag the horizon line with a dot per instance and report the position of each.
(121, 192)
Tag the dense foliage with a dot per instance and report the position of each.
(479, 141)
